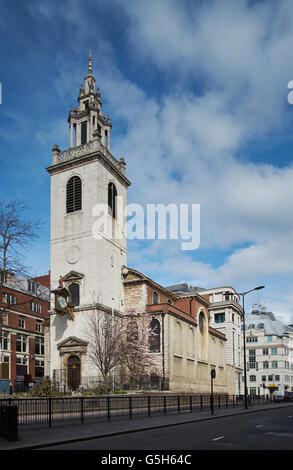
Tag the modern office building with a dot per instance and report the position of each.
(269, 353)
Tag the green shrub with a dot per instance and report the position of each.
(44, 389)
(101, 389)
(17, 395)
(88, 393)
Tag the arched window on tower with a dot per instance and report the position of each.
(73, 194)
(155, 335)
(112, 195)
(74, 292)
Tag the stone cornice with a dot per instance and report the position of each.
(180, 315)
(88, 152)
(226, 304)
(98, 306)
(197, 296)
(217, 333)
(92, 307)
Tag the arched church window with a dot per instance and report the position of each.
(73, 194)
(112, 195)
(201, 320)
(155, 298)
(154, 337)
(74, 292)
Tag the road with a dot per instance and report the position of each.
(265, 430)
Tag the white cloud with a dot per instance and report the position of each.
(184, 147)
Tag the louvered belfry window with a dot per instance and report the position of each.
(73, 194)
(112, 195)
(74, 291)
(83, 132)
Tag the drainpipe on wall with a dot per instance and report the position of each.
(163, 349)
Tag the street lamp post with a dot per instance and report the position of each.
(243, 294)
(163, 385)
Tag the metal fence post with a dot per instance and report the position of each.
(108, 408)
(178, 404)
(81, 408)
(201, 403)
(165, 405)
(190, 403)
(50, 411)
(149, 406)
(130, 407)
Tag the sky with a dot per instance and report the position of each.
(197, 92)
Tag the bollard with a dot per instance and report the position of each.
(8, 422)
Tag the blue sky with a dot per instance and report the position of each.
(197, 94)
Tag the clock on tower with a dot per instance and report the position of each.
(62, 304)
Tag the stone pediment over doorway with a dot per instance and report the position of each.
(71, 345)
(72, 276)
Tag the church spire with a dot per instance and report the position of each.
(90, 62)
(87, 122)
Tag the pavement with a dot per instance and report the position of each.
(42, 436)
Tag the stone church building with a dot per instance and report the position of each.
(92, 267)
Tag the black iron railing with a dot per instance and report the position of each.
(57, 410)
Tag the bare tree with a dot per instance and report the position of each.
(104, 343)
(16, 234)
(123, 344)
(137, 360)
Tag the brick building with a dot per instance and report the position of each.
(225, 314)
(187, 347)
(24, 306)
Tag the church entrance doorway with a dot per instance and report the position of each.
(73, 370)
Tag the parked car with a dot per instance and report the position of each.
(278, 396)
(282, 396)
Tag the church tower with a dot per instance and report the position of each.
(85, 262)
